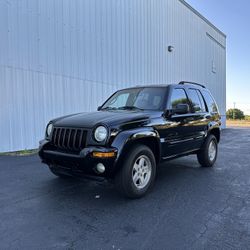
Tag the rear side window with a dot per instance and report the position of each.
(196, 102)
(178, 97)
(211, 105)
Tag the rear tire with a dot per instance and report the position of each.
(137, 173)
(207, 155)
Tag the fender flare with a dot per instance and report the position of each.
(125, 138)
(214, 128)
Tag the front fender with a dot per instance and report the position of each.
(127, 137)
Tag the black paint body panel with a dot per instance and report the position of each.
(174, 135)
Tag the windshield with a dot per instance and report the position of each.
(137, 98)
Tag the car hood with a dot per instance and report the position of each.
(110, 118)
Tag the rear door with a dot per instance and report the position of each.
(200, 116)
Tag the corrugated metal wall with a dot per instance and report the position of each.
(64, 56)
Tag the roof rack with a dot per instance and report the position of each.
(194, 83)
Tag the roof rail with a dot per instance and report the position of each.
(194, 83)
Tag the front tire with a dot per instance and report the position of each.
(137, 173)
(208, 153)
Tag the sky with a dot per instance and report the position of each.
(233, 18)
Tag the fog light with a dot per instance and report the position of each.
(100, 168)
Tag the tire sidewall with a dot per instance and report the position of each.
(210, 139)
(135, 152)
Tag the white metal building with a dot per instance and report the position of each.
(65, 56)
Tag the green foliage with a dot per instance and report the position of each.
(21, 153)
(235, 114)
(179, 101)
(247, 117)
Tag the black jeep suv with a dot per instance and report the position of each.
(132, 132)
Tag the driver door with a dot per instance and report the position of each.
(177, 135)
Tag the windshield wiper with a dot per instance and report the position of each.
(109, 108)
(130, 108)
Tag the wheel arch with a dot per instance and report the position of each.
(151, 142)
(216, 133)
(149, 138)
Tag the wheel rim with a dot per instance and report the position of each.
(212, 150)
(142, 171)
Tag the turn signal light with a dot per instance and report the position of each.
(103, 154)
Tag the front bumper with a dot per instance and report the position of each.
(81, 164)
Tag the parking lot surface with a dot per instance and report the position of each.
(189, 208)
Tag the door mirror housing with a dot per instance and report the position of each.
(181, 109)
(99, 108)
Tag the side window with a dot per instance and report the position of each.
(203, 105)
(211, 105)
(195, 101)
(178, 97)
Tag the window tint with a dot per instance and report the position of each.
(195, 101)
(178, 97)
(211, 105)
(203, 105)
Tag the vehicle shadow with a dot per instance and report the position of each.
(169, 175)
(95, 212)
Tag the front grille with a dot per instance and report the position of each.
(73, 139)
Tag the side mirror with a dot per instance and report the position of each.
(99, 108)
(181, 109)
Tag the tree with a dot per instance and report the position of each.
(235, 114)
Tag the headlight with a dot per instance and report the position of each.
(49, 129)
(101, 133)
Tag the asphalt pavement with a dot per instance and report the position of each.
(189, 207)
